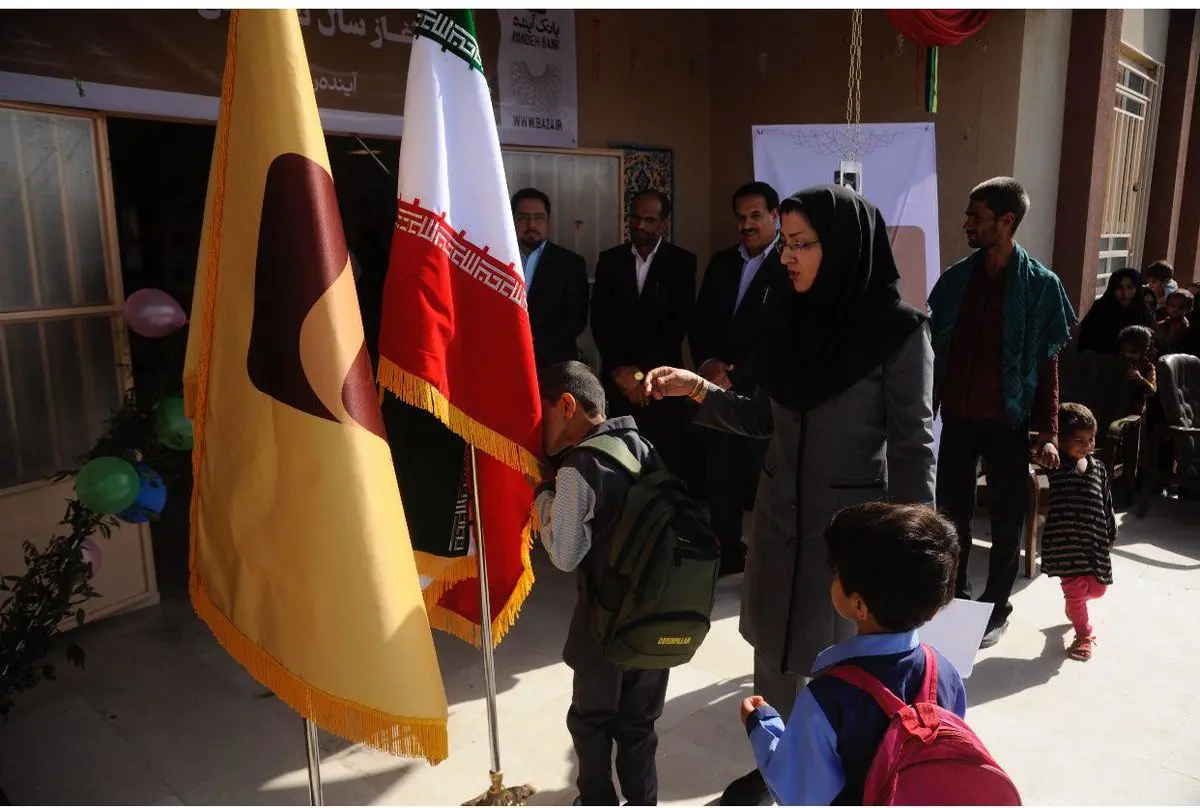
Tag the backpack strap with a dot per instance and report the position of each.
(615, 450)
(856, 676)
(930, 683)
(920, 718)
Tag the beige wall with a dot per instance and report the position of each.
(1045, 48)
(644, 79)
(697, 81)
(780, 67)
(1146, 30)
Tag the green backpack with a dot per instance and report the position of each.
(651, 607)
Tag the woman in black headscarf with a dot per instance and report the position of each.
(1122, 305)
(846, 395)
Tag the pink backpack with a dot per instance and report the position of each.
(928, 755)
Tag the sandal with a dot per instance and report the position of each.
(1081, 648)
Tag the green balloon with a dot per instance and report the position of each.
(107, 485)
(171, 426)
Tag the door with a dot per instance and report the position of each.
(63, 356)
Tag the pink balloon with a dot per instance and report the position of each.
(91, 555)
(153, 313)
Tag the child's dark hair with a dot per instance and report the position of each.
(1187, 297)
(575, 378)
(1139, 337)
(1160, 271)
(900, 559)
(1074, 417)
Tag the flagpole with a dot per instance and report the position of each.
(313, 752)
(496, 794)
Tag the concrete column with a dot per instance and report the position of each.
(1174, 125)
(1086, 140)
(1187, 242)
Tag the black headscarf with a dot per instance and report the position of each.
(1105, 319)
(822, 342)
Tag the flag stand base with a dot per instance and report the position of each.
(497, 794)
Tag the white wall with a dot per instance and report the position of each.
(1045, 49)
(1146, 30)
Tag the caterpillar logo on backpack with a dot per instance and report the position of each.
(674, 640)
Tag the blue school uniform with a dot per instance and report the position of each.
(822, 756)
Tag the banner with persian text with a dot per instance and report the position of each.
(168, 64)
(537, 87)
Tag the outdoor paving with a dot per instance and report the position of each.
(162, 715)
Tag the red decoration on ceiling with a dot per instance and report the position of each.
(935, 28)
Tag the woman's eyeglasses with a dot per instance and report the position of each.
(797, 246)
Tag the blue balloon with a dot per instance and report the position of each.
(151, 498)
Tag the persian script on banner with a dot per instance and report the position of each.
(538, 92)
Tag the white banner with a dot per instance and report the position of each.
(539, 103)
(898, 173)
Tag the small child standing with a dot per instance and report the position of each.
(579, 508)
(894, 567)
(1173, 329)
(1080, 525)
(1135, 345)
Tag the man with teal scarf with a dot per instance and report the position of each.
(999, 319)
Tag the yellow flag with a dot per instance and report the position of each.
(300, 557)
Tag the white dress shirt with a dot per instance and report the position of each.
(750, 267)
(643, 266)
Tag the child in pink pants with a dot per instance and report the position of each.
(1080, 526)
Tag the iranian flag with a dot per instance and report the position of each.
(454, 344)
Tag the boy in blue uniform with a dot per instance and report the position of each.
(894, 568)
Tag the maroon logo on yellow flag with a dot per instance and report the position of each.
(301, 253)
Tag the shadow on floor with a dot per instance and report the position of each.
(997, 677)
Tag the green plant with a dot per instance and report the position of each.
(56, 582)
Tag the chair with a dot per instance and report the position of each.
(1036, 509)
(1178, 431)
(1100, 382)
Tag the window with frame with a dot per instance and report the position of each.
(60, 305)
(1130, 160)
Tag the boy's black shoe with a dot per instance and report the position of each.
(749, 789)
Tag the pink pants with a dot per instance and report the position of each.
(1078, 591)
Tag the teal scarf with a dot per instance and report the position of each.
(1037, 324)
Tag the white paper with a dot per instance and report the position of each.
(957, 630)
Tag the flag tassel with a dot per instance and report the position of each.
(413, 390)
(396, 735)
(445, 620)
(496, 794)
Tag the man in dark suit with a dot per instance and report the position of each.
(642, 305)
(740, 290)
(556, 282)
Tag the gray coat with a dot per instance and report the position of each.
(872, 442)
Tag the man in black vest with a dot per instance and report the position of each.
(642, 305)
(556, 282)
(740, 290)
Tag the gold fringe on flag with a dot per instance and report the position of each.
(396, 735)
(452, 623)
(354, 722)
(414, 390)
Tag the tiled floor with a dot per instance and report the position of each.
(163, 716)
